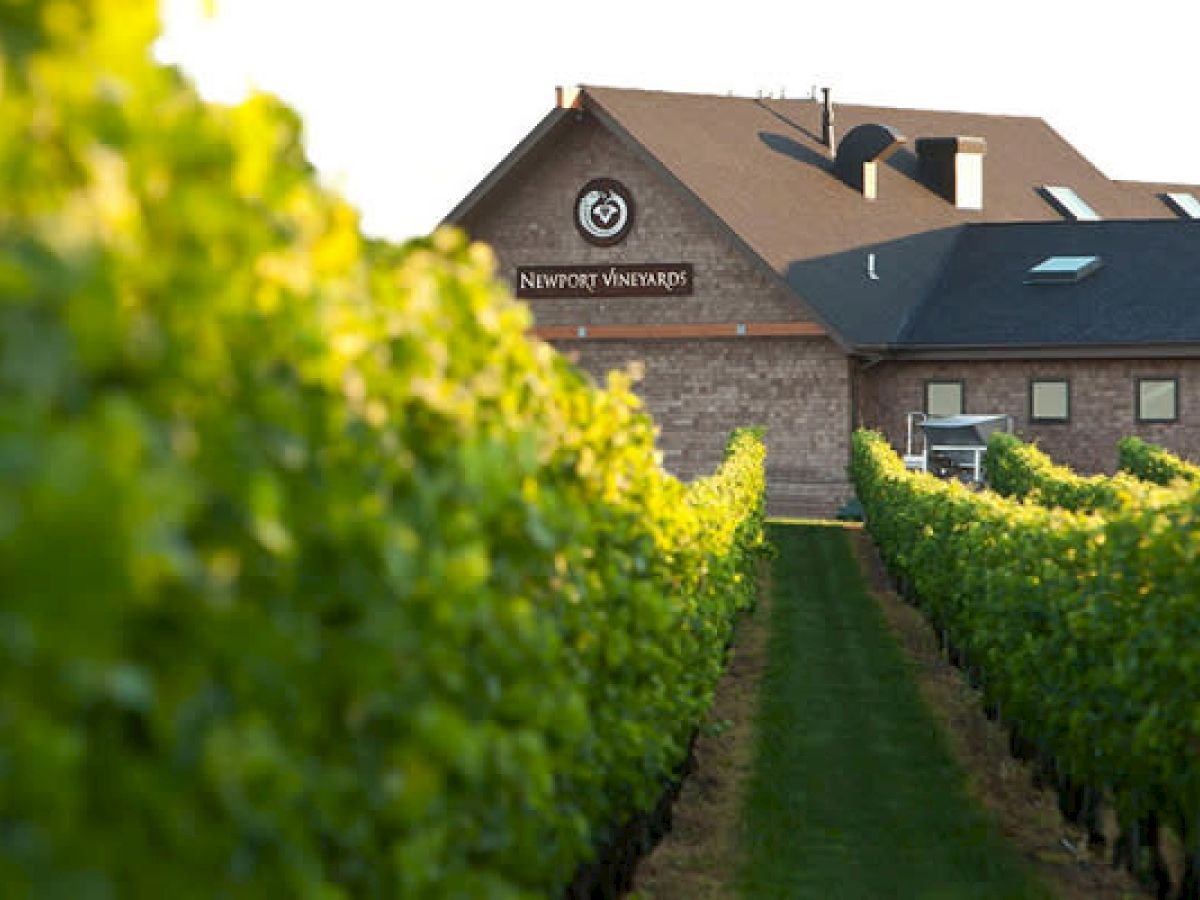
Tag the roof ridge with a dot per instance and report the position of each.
(839, 104)
(1143, 182)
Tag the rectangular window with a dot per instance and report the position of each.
(1049, 400)
(1063, 269)
(944, 398)
(1186, 205)
(1069, 203)
(1158, 399)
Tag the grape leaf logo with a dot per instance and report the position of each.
(604, 211)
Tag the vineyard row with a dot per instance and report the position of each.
(1080, 627)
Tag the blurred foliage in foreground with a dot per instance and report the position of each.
(319, 579)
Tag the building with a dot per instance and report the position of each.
(813, 268)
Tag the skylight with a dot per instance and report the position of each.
(1063, 269)
(1185, 204)
(1070, 203)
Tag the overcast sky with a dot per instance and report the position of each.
(408, 105)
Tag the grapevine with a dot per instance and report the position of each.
(321, 579)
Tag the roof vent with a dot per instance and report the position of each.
(860, 153)
(953, 167)
(1184, 204)
(1069, 203)
(1063, 269)
(827, 118)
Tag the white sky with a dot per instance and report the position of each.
(408, 104)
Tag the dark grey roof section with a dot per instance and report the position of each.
(868, 311)
(1148, 291)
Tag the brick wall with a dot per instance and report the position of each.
(696, 390)
(1102, 402)
(699, 391)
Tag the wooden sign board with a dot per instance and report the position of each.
(631, 280)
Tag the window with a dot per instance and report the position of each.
(1069, 203)
(1185, 204)
(1063, 269)
(944, 398)
(1049, 400)
(1158, 399)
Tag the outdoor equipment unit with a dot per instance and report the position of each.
(951, 446)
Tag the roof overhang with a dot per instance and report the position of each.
(529, 143)
(1030, 351)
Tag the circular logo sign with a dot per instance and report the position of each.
(604, 212)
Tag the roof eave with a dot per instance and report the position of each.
(971, 352)
(528, 144)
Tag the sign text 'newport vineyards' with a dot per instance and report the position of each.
(631, 280)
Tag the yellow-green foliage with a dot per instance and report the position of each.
(1154, 463)
(319, 578)
(1018, 469)
(1084, 626)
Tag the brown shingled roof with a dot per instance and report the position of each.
(759, 165)
(1159, 190)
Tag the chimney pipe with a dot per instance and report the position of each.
(953, 168)
(827, 131)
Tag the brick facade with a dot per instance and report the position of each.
(1101, 399)
(698, 390)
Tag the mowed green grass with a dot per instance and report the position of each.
(854, 793)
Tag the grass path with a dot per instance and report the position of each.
(853, 791)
